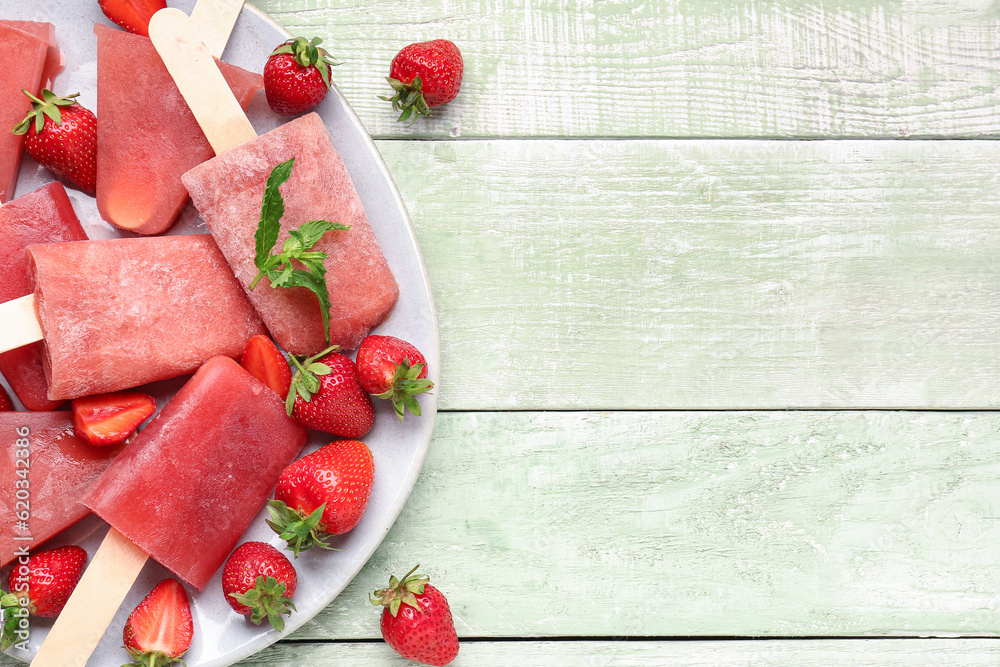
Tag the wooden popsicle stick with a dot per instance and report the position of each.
(199, 80)
(20, 324)
(94, 602)
(215, 20)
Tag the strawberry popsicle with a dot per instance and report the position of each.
(146, 135)
(122, 312)
(185, 490)
(53, 471)
(228, 190)
(43, 216)
(31, 61)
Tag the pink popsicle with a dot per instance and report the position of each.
(31, 61)
(185, 490)
(122, 312)
(141, 155)
(43, 216)
(228, 189)
(61, 469)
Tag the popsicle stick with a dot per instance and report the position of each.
(94, 602)
(20, 324)
(215, 20)
(199, 80)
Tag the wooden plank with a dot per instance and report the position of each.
(676, 524)
(812, 653)
(748, 68)
(710, 274)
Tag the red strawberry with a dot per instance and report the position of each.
(6, 405)
(297, 76)
(391, 368)
(264, 361)
(416, 621)
(62, 135)
(108, 419)
(326, 395)
(259, 582)
(325, 492)
(159, 630)
(133, 15)
(48, 579)
(424, 75)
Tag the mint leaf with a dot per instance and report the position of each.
(316, 282)
(271, 210)
(305, 237)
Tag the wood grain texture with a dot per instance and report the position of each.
(677, 524)
(710, 274)
(677, 68)
(811, 653)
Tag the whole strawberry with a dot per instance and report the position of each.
(326, 395)
(159, 631)
(297, 76)
(424, 75)
(62, 135)
(391, 368)
(259, 582)
(323, 493)
(41, 586)
(416, 620)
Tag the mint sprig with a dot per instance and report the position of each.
(279, 269)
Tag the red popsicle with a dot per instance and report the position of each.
(43, 216)
(146, 135)
(185, 490)
(51, 473)
(31, 61)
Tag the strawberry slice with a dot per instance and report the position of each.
(108, 419)
(133, 15)
(159, 630)
(264, 361)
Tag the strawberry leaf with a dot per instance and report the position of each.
(300, 533)
(8, 602)
(266, 600)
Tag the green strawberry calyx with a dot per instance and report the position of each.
(408, 99)
(406, 384)
(401, 592)
(307, 53)
(301, 532)
(266, 599)
(305, 382)
(8, 603)
(47, 107)
(152, 658)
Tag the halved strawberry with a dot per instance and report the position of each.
(266, 363)
(108, 419)
(159, 630)
(133, 15)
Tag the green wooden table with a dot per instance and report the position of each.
(719, 294)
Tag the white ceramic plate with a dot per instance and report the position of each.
(223, 637)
